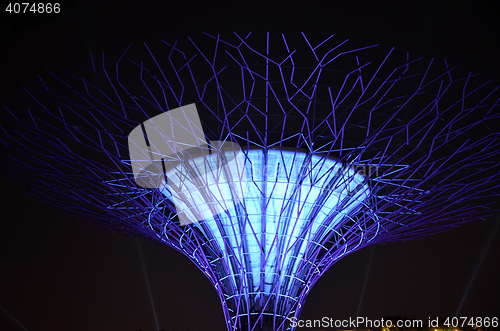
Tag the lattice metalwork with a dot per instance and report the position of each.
(343, 148)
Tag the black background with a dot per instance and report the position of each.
(59, 273)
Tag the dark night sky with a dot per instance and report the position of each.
(59, 273)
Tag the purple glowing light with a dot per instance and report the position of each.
(343, 149)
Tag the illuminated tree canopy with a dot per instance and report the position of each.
(343, 148)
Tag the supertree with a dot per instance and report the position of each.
(338, 148)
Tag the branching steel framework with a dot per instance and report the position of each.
(343, 148)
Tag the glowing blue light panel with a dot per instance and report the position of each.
(293, 201)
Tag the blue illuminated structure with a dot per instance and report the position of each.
(343, 148)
